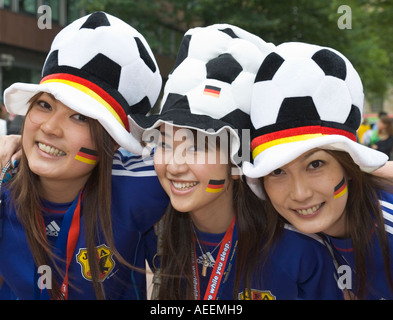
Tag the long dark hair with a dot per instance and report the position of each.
(96, 210)
(254, 236)
(363, 212)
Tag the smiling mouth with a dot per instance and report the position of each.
(309, 211)
(182, 186)
(51, 150)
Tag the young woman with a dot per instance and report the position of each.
(74, 216)
(312, 172)
(217, 242)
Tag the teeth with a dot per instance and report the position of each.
(309, 210)
(184, 185)
(50, 150)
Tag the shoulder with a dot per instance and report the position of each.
(307, 249)
(136, 190)
(135, 175)
(304, 250)
(128, 165)
(306, 260)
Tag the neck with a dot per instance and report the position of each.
(60, 191)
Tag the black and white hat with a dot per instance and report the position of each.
(305, 97)
(100, 67)
(210, 87)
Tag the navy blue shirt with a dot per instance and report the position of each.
(138, 201)
(377, 285)
(298, 267)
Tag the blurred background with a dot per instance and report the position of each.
(360, 29)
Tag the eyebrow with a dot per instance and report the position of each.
(310, 154)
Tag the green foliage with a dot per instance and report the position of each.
(368, 44)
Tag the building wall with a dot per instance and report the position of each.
(22, 31)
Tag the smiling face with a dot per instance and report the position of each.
(53, 135)
(196, 177)
(310, 193)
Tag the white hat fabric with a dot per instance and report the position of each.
(210, 87)
(304, 97)
(100, 67)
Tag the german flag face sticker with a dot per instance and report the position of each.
(215, 186)
(340, 189)
(87, 156)
(212, 91)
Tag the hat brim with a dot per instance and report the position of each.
(278, 156)
(17, 96)
(139, 125)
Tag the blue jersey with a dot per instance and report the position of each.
(377, 285)
(138, 201)
(298, 267)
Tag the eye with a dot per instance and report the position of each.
(277, 172)
(44, 105)
(162, 145)
(316, 164)
(80, 117)
(193, 148)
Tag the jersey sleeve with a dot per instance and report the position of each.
(137, 194)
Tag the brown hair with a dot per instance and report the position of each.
(96, 209)
(363, 212)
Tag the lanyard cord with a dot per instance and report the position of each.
(222, 266)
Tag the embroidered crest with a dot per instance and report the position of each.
(105, 258)
(257, 295)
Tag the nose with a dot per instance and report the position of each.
(176, 162)
(301, 190)
(52, 125)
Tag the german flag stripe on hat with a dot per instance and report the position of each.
(263, 142)
(94, 91)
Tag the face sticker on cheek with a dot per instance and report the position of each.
(340, 189)
(215, 186)
(87, 156)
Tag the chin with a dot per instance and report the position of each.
(181, 208)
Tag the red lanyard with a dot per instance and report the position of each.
(220, 267)
(72, 239)
(66, 241)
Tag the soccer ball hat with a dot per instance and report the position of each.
(100, 67)
(305, 97)
(210, 87)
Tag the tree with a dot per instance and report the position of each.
(367, 43)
